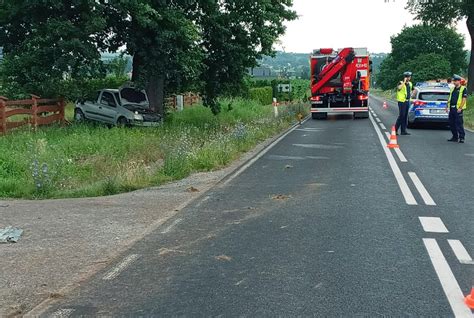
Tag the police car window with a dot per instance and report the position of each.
(434, 96)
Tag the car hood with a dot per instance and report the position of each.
(131, 97)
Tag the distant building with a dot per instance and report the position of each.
(261, 72)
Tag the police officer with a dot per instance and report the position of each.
(404, 89)
(457, 103)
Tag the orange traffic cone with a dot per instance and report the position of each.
(469, 300)
(393, 139)
(385, 106)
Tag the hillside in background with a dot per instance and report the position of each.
(297, 64)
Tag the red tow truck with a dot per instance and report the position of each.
(340, 82)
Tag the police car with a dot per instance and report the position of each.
(428, 104)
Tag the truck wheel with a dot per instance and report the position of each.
(319, 115)
(122, 122)
(79, 115)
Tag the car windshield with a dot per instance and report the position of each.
(434, 96)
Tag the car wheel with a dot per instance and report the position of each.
(79, 115)
(122, 122)
(361, 115)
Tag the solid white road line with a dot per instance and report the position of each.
(433, 225)
(383, 126)
(261, 154)
(62, 313)
(407, 194)
(114, 272)
(206, 198)
(448, 281)
(399, 153)
(460, 252)
(171, 226)
(421, 189)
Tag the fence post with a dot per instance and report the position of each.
(62, 106)
(34, 108)
(3, 118)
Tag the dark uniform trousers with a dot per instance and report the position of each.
(402, 120)
(456, 122)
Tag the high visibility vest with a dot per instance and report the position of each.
(458, 104)
(402, 93)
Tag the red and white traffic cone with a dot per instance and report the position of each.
(393, 144)
(385, 105)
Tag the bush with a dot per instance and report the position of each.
(263, 95)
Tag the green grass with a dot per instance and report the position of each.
(469, 114)
(92, 160)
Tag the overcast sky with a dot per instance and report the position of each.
(343, 23)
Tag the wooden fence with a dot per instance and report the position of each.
(35, 112)
(189, 100)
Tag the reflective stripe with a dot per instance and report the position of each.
(459, 102)
(402, 93)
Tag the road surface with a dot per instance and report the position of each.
(327, 222)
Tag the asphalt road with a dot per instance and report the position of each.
(326, 223)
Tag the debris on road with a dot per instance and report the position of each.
(192, 189)
(288, 166)
(223, 258)
(281, 197)
(10, 235)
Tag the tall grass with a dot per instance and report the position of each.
(93, 160)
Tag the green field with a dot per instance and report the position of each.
(93, 160)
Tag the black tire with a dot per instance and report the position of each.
(122, 122)
(319, 116)
(79, 115)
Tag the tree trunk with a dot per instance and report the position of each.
(470, 74)
(154, 85)
(136, 67)
(155, 90)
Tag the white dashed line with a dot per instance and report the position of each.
(261, 154)
(377, 119)
(388, 135)
(62, 313)
(460, 252)
(448, 281)
(383, 126)
(433, 225)
(407, 194)
(400, 155)
(114, 272)
(206, 198)
(171, 226)
(421, 189)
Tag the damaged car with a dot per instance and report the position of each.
(126, 106)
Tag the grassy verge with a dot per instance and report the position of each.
(384, 94)
(93, 160)
(469, 114)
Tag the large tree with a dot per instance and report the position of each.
(448, 12)
(236, 34)
(47, 40)
(427, 51)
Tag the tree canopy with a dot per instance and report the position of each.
(175, 44)
(430, 52)
(447, 12)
